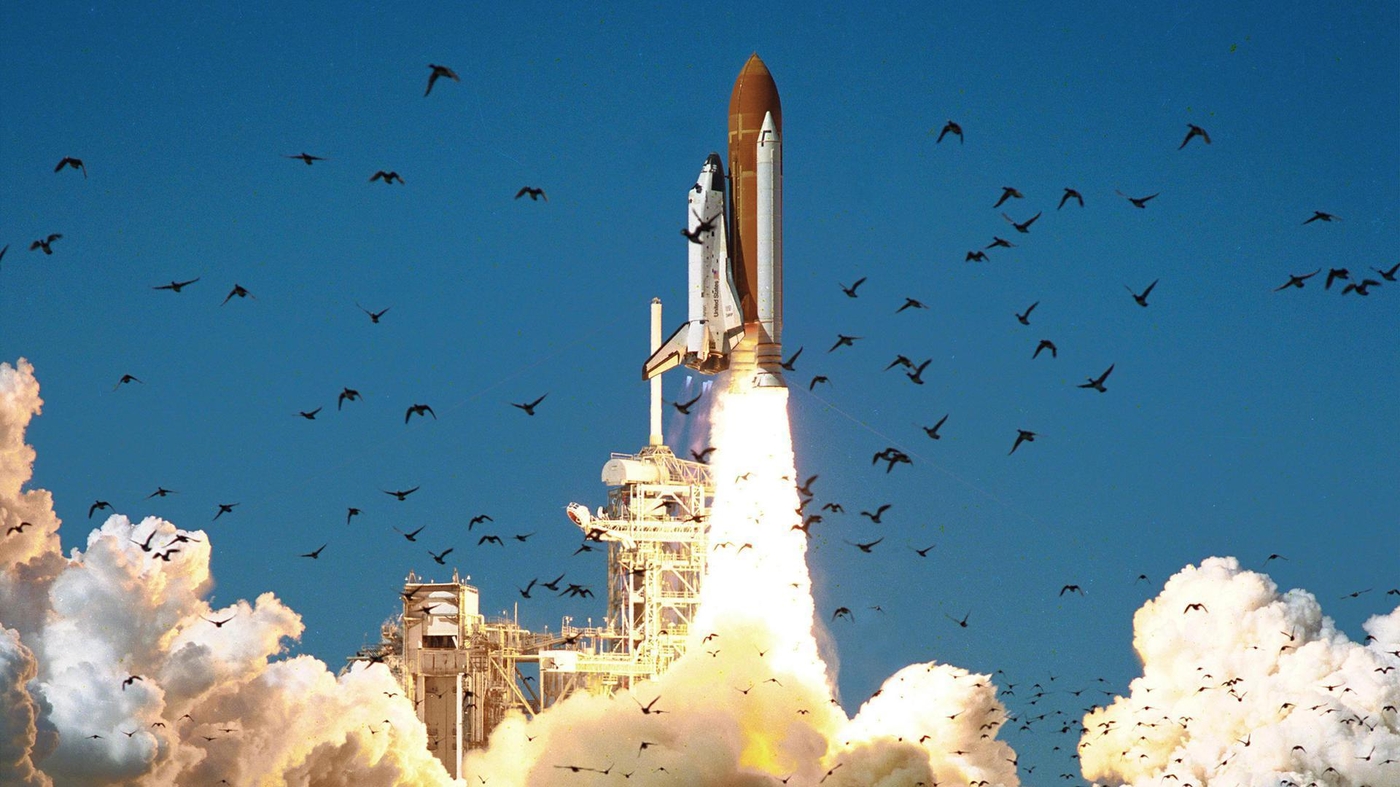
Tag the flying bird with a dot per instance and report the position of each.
(924, 552)
(1071, 194)
(74, 163)
(44, 243)
(702, 456)
(1022, 436)
(439, 557)
(932, 431)
(161, 492)
(1007, 192)
(998, 241)
(843, 340)
(18, 528)
(440, 71)
(1142, 299)
(1390, 274)
(1195, 131)
(176, 286)
(950, 128)
(820, 378)
(351, 513)
(1297, 281)
(843, 612)
(218, 624)
(684, 407)
(530, 408)
(402, 494)
(1320, 216)
(374, 316)
(102, 505)
(1025, 319)
(309, 415)
(1096, 383)
(790, 361)
(224, 508)
(238, 291)
(851, 290)
(806, 486)
(1023, 227)
(387, 177)
(1336, 273)
(347, 393)
(490, 540)
(962, 622)
(917, 376)
(127, 378)
(130, 680)
(1045, 344)
(418, 409)
(866, 547)
(1071, 589)
(879, 512)
(1138, 202)
(910, 303)
(535, 194)
(1190, 607)
(976, 256)
(1361, 288)
(307, 157)
(411, 535)
(478, 519)
(315, 553)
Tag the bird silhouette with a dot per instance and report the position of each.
(535, 194)
(950, 128)
(439, 72)
(218, 624)
(867, 546)
(238, 291)
(1195, 131)
(1007, 192)
(910, 303)
(1045, 344)
(309, 415)
(1022, 227)
(387, 177)
(702, 456)
(161, 492)
(917, 376)
(1025, 319)
(1362, 288)
(1022, 436)
(820, 378)
(530, 408)
(44, 243)
(1390, 274)
(402, 493)
(478, 519)
(347, 393)
(439, 557)
(1071, 589)
(684, 407)
(74, 163)
(1096, 383)
(18, 528)
(127, 378)
(176, 286)
(962, 622)
(306, 157)
(923, 552)
(790, 361)
(490, 540)
(879, 512)
(1336, 273)
(1138, 202)
(976, 256)
(932, 431)
(374, 316)
(1320, 216)
(1071, 194)
(351, 513)
(998, 241)
(1142, 299)
(843, 612)
(1297, 281)
(1197, 606)
(843, 340)
(99, 505)
(224, 508)
(806, 486)
(851, 290)
(412, 535)
(316, 553)
(419, 410)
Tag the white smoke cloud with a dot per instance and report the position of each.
(1252, 688)
(210, 703)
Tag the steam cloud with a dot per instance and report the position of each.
(1255, 688)
(211, 703)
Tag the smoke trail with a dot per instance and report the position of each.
(752, 703)
(112, 673)
(1243, 685)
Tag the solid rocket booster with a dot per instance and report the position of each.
(736, 258)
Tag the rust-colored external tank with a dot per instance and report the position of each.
(755, 95)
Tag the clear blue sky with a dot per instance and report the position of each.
(1238, 420)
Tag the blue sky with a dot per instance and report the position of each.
(1238, 420)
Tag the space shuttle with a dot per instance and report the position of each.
(735, 263)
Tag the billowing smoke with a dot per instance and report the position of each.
(111, 671)
(1242, 685)
(752, 701)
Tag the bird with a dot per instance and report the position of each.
(98, 505)
(1361, 288)
(44, 243)
(1390, 274)
(820, 378)
(1096, 383)
(161, 492)
(176, 286)
(1356, 594)
(806, 486)
(18, 528)
(218, 624)
(1071, 194)
(879, 512)
(238, 291)
(309, 415)
(1025, 319)
(1045, 344)
(1142, 299)
(130, 680)
(1297, 281)
(2, 251)
(924, 552)
(316, 553)
(1022, 436)
(127, 378)
(843, 612)
(411, 535)
(917, 376)
(1138, 202)
(74, 163)
(684, 407)
(843, 340)
(490, 540)
(962, 622)
(950, 128)
(793, 359)
(866, 547)
(1023, 227)
(224, 508)
(525, 591)
(307, 157)
(1007, 192)
(910, 303)
(351, 513)
(1320, 216)
(998, 241)
(440, 71)
(1197, 606)
(347, 393)
(702, 456)
(1195, 131)
(418, 409)
(439, 557)
(900, 360)
(387, 177)
(976, 256)
(535, 194)
(1071, 589)
(1336, 273)
(374, 316)
(851, 290)
(478, 519)
(530, 408)
(401, 494)
(932, 431)
(523, 537)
